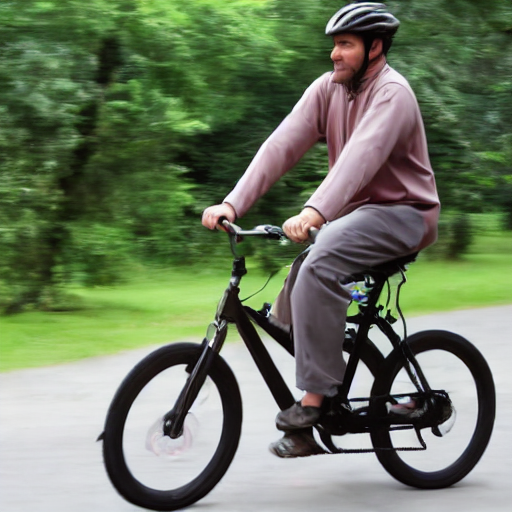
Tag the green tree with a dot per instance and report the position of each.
(121, 120)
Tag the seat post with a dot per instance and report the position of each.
(367, 317)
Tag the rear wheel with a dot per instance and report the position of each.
(149, 468)
(450, 363)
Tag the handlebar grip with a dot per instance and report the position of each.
(228, 226)
(313, 232)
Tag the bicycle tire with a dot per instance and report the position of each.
(122, 467)
(470, 440)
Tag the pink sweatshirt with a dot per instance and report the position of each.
(377, 150)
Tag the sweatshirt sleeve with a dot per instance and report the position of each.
(298, 132)
(386, 123)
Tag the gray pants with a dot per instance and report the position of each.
(314, 302)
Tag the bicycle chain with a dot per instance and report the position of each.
(373, 450)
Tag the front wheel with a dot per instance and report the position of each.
(452, 364)
(147, 467)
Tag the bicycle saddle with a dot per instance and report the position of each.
(384, 270)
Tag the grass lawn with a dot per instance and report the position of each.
(178, 304)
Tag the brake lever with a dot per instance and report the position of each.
(273, 232)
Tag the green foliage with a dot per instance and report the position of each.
(120, 120)
(456, 233)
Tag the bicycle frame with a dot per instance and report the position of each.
(128, 458)
(230, 310)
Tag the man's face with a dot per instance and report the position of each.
(347, 56)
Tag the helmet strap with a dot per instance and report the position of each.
(357, 80)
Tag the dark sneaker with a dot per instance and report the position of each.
(297, 417)
(296, 444)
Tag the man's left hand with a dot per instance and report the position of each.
(297, 228)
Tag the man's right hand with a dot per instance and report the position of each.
(212, 214)
(297, 228)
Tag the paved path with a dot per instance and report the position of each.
(50, 418)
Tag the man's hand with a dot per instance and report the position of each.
(297, 228)
(213, 213)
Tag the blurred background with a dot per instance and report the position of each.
(121, 120)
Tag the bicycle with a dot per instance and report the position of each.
(155, 459)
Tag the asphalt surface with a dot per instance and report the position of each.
(50, 462)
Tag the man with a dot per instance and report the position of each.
(378, 201)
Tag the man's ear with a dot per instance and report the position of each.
(375, 49)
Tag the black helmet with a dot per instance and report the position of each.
(361, 17)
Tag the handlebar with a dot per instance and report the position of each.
(266, 231)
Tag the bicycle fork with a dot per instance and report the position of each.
(212, 343)
(211, 346)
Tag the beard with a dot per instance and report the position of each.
(351, 78)
(344, 76)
